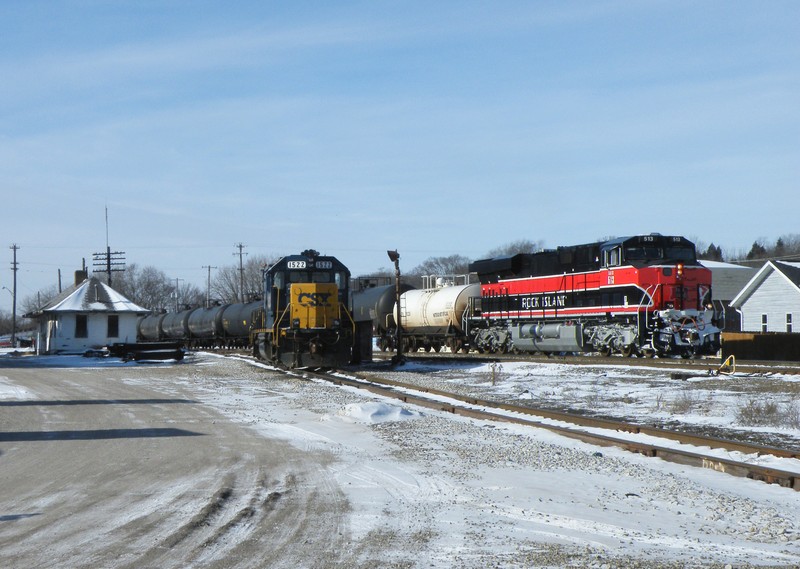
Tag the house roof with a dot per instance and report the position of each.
(92, 295)
(721, 265)
(789, 271)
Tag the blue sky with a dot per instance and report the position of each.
(434, 128)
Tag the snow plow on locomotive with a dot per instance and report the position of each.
(642, 295)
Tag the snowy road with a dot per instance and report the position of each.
(100, 470)
(222, 463)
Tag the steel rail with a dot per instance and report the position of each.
(477, 408)
(703, 366)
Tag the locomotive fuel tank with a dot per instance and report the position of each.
(436, 311)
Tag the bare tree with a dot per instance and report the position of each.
(519, 246)
(225, 286)
(452, 265)
(6, 325)
(34, 302)
(146, 286)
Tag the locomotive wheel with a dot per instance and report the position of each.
(605, 350)
(628, 351)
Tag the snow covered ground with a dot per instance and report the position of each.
(427, 489)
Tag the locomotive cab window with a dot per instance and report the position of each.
(643, 253)
(611, 257)
(680, 254)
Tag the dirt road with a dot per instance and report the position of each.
(99, 470)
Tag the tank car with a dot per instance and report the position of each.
(433, 318)
(237, 322)
(148, 328)
(642, 295)
(376, 305)
(306, 320)
(175, 325)
(205, 326)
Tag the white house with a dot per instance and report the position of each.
(770, 301)
(87, 316)
(727, 280)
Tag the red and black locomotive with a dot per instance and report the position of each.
(641, 295)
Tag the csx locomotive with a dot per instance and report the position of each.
(302, 320)
(306, 319)
(642, 295)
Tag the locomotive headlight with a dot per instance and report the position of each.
(679, 270)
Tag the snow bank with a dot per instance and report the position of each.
(372, 413)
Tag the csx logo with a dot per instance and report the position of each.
(313, 299)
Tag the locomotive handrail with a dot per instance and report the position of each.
(277, 323)
(349, 316)
(642, 307)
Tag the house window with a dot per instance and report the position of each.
(113, 326)
(789, 322)
(763, 322)
(81, 326)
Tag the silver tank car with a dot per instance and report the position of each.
(206, 324)
(433, 318)
(175, 325)
(377, 304)
(149, 327)
(237, 319)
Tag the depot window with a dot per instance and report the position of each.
(763, 322)
(789, 322)
(113, 326)
(81, 326)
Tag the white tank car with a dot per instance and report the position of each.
(432, 318)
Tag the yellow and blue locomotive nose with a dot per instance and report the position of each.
(314, 305)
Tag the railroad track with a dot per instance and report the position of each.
(703, 366)
(601, 432)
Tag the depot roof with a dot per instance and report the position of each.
(92, 295)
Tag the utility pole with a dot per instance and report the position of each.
(114, 262)
(241, 270)
(177, 307)
(14, 268)
(208, 285)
